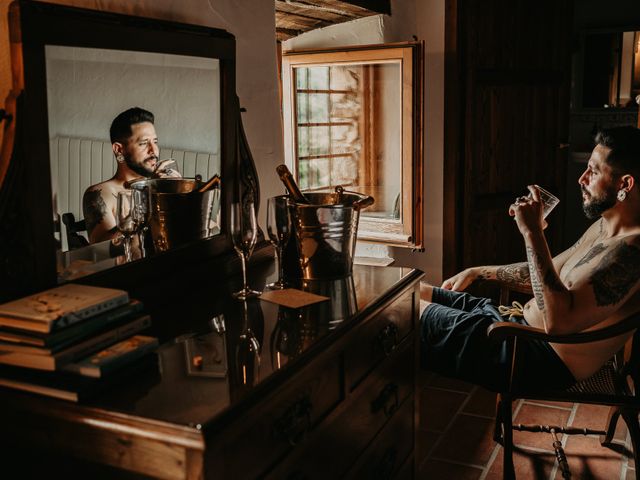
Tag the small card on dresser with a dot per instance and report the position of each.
(292, 297)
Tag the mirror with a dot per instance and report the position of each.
(610, 70)
(74, 71)
(182, 92)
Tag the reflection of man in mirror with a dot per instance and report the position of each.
(135, 145)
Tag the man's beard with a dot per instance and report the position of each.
(597, 206)
(139, 168)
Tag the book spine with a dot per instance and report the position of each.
(99, 342)
(79, 315)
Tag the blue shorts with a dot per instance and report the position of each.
(455, 344)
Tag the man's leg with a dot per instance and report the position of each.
(455, 343)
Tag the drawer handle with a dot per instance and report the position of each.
(387, 400)
(387, 464)
(387, 339)
(293, 425)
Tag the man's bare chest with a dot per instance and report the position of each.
(584, 260)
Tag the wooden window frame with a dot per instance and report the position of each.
(408, 230)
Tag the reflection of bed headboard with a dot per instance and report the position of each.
(77, 163)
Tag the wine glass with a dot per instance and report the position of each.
(244, 231)
(125, 220)
(141, 213)
(247, 353)
(279, 231)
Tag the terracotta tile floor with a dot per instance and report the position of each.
(456, 435)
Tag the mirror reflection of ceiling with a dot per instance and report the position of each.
(294, 17)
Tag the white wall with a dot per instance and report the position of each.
(253, 24)
(88, 87)
(425, 20)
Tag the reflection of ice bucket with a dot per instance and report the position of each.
(179, 213)
(342, 293)
(326, 231)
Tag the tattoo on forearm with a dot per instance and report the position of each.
(536, 285)
(514, 274)
(94, 209)
(615, 275)
(484, 274)
(591, 254)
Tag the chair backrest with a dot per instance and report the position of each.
(73, 229)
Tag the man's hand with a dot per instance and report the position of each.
(527, 212)
(461, 281)
(167, 169)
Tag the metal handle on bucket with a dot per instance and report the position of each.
(358, 204)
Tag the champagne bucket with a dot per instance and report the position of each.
(179, 213)
(326, 230)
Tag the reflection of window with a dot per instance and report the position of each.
(350, 120)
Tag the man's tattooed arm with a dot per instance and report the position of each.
(514, 275)
(534, 272)
(94, 209)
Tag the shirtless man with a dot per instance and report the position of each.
(593, 284)
(135, 145)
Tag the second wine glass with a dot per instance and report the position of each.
(279, 231)
(125, 221)
(244, 231)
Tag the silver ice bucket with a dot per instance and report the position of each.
(179, 213)
(326, 230)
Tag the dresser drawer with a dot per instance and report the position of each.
(335, 447)
(269, 431)
(379, 337)
(386, 457)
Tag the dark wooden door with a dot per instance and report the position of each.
(507, 122)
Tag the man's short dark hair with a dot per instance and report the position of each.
(120, 129)
(624, 143)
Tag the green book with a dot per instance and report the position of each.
(34, 357)
(69, 335)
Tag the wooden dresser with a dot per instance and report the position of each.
(248, 390)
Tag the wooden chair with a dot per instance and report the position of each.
(613, 385)
(73, 228)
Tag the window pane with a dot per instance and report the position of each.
(318, 140)
(302, 108)
(318, 108)
(301, 78)
(318, 78)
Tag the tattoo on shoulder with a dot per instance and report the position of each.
(576, 245)
(615, 275)
(514, 274)
(94, 208)
(591, 254)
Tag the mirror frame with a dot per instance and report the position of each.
(28, 189)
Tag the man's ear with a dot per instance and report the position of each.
(628, 182)
(118, 148)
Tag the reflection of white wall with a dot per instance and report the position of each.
(87, 88)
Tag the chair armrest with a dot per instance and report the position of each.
(502, 330)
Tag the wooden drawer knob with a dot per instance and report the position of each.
(295, 422)
(387, 400)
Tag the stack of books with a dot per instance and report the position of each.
(60, 341)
